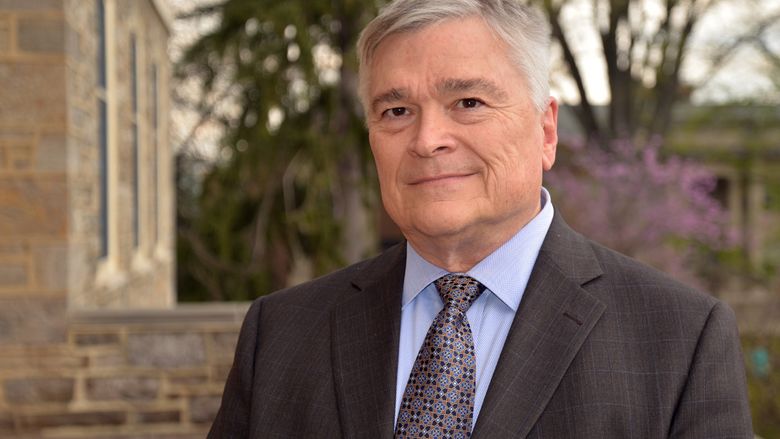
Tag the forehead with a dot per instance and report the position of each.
(454, 48)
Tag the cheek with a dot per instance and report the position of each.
(381, 155)
(505, 165)
(387, 166)
(513, 173)
(387, 169)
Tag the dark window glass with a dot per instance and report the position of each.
(102, 126)
(135, 158)
(103, 153)
(101, 33)
(155, 152)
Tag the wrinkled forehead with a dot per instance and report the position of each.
(371, 53)
(375, 40)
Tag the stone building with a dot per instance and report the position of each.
(91, 342)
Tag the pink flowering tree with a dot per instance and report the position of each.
(657, 209)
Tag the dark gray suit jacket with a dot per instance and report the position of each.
(601, 347)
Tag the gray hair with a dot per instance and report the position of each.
(521, 27)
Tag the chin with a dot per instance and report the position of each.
(439, 226)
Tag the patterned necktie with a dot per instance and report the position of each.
(438, 401)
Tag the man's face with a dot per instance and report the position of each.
(458, 144)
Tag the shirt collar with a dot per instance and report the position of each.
(504, 272)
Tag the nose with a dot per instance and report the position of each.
(433, 135)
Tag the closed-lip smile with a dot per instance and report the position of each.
(437, 178)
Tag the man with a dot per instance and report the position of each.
(494, 319)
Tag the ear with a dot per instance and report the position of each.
(550, 128)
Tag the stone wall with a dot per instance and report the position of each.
(49, 175)
(50, 227)
(66, 371)
(134, 274)
(122, 374)
(33, 174)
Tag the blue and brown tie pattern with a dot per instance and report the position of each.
(438, 401)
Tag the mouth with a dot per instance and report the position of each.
(441, 178)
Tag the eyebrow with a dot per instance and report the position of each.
(455, 85)
(445, 86)
(388, 97)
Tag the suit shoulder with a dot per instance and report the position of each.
(330, 288)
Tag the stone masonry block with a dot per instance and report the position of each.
(5, 34)
(73, 42)
(220, 372)
(224, 344)
(17, 135)
(51, 154)
(181, 387)
(19, 157)
(6, 423)
(46, 358)
(166, 350)
(51, 266)
(31, 5)
(114, 360)
(41, 35)
(13, 274)
(157, 417)
(123, 388)
(32, 320)
(188, 380)
(33, 206)
(203, 409)
(96, 339)
(35, 421)
(38, 390)
(33, 93)
(14, 249)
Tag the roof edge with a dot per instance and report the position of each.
(164, 11)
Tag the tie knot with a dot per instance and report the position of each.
(458, 290)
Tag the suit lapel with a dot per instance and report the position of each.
(554, 319)
(365, 336)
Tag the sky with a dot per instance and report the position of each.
(744, 77)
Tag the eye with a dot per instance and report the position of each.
(395, 112)
(469, 103)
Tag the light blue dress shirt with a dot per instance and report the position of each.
(504, 273)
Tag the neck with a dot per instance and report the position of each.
(459, 252)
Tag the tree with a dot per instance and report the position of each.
(619, 184)
(644, 45)
(658, 210)
(290, 194)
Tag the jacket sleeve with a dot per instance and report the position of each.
(714, 401)
(232, 420)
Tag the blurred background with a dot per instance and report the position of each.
(164, 162)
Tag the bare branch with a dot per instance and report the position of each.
(619, 79)
(668, 79)
(211, 284)
(262, 217)
(725, 52)
(206, 114)
(212, 262)
(763, 47)
(585, 113)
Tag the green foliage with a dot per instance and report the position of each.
(278, 78)
(763, 389)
